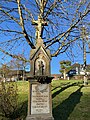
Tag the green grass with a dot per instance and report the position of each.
(71, 101)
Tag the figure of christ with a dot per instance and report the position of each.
(41, 68)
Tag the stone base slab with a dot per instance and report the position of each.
(39, 117)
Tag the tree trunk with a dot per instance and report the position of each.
(64, 74)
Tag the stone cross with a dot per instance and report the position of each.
(39, 24)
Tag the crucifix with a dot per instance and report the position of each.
(39, 24)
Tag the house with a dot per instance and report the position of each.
(14, 75)
(75, 70)
(78, 70)
(56, 76)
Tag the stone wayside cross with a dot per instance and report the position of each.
(39, 96)
(39, 24)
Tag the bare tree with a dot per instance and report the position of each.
(56, 22)
(4, 70)
(84, 40)
(19, 66)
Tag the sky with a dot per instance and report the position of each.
(55, 62)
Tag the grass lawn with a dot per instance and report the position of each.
(71, 101)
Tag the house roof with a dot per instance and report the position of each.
(76, 65)
(55, 75)
(15, 72)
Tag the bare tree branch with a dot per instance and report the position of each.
(64, 19)
(65, 46)
(22, 25)
(11, 17)
(14, 56)
(68, 31)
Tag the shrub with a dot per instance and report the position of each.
(8, 99)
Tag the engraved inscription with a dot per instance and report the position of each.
(40, 99)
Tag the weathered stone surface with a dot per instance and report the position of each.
(40, 102)
(40, 99)
(40, 118)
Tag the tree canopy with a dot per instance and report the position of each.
(60, 29)
(65, 65)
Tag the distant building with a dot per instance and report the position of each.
(56, 76)
(14, 75)
(75, 69)
(78, 70)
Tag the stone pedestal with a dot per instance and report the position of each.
(39, 117)
(39, 101)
